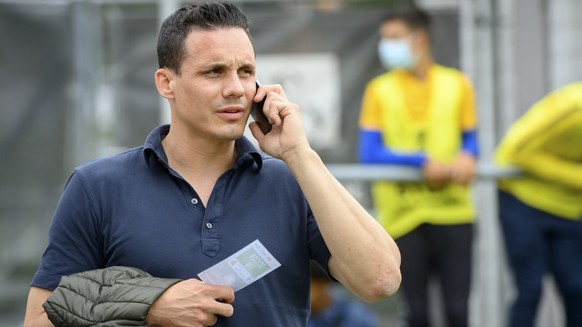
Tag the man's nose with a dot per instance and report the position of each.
(233, 86)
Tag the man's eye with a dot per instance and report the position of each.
(246, 72)
(214, 71)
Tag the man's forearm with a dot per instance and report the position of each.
(35, 315)
(364, 257)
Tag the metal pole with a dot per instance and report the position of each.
(87, 60)
(487, 308)
(165, 9)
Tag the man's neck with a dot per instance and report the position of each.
(420, 70)
(197, 156)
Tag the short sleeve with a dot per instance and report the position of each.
(468, 110)
(74, 239)
(318, 250)
(371, 113)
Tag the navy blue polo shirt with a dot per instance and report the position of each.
(132, 209)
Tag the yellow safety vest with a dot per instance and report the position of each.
(403, 206)
(546, 143)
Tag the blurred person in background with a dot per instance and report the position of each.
(132, 230)
(329, 308)
(423, 115)
(541, 212)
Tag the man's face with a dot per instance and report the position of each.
(395, 29)
(213, 93)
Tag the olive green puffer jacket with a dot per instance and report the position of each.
(114, 296)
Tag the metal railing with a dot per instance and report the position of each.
(360, 172)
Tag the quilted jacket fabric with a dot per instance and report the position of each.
(114, 296)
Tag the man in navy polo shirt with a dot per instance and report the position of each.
(198, 191)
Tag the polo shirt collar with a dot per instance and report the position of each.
(246, 151)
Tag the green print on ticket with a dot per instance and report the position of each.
(252, 262)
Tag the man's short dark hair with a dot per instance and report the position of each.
(208, 16)
(414, 17)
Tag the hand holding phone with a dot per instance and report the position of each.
(258, 114)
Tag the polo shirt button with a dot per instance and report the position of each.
(194, 201)
(208, 225)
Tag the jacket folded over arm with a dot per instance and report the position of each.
(114, 296)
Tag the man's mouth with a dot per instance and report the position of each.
(233, 113)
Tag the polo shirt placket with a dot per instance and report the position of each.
(209, 235)
(209, 215)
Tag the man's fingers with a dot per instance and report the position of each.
(218, 297)
(274, 105)
(256, 131)
(464, 178)
(224, 293)
(263, 92)
(211, 320)
(222, 309)
(215, 291)
(275, 102)
(265, 89)
(223, 297)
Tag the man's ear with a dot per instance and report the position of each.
(164, 83)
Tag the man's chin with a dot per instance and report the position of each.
(234, 134)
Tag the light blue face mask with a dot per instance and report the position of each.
(395, 54)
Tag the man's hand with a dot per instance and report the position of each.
(191, 303)
(287, 135)
(463, 170)
(436, 174)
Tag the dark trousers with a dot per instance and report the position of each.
(536, 242)
(442, 251)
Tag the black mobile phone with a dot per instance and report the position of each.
(258, 115)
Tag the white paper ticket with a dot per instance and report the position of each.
(243, 268)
